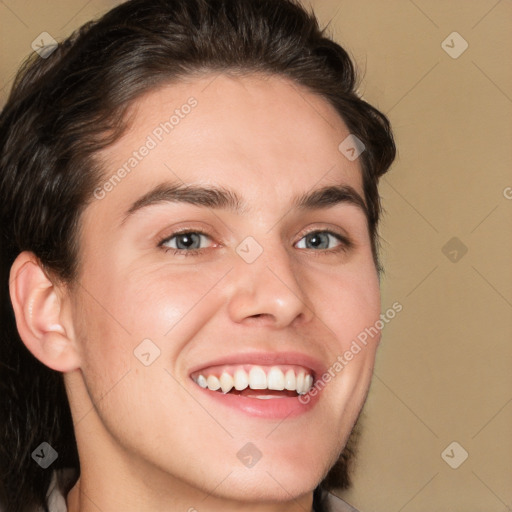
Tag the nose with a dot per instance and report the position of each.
(268, 291)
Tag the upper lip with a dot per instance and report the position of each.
(266, 359)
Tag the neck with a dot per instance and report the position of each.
(84, 497)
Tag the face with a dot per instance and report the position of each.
(259, 275)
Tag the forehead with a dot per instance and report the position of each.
(266, 137)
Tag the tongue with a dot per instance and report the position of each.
(253, 393)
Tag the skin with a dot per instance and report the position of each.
(148, 437)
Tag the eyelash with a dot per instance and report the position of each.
(345, 243)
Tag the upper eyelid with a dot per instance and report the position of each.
(333, 231)
(184, 232)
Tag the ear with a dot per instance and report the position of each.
(41, 319)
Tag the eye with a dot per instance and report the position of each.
(190, 243)
(186, 242)
(323, 240)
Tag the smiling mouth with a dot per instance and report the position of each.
(255, 381)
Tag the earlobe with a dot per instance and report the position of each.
(42, 324)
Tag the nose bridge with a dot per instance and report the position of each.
(266, 283)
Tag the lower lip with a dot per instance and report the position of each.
(271, 408)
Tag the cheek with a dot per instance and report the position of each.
(166, 305)
(170, 303)
(348, 302)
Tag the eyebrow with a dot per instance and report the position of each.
(218, 197)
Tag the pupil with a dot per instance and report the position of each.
(187, 241)
(316, 241)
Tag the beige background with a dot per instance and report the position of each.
(443, 372)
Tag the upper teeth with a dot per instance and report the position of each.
(256, 378)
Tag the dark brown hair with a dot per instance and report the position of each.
(64, 108)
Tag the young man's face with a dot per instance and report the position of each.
(268, 285)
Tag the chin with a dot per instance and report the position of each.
(279, 482)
